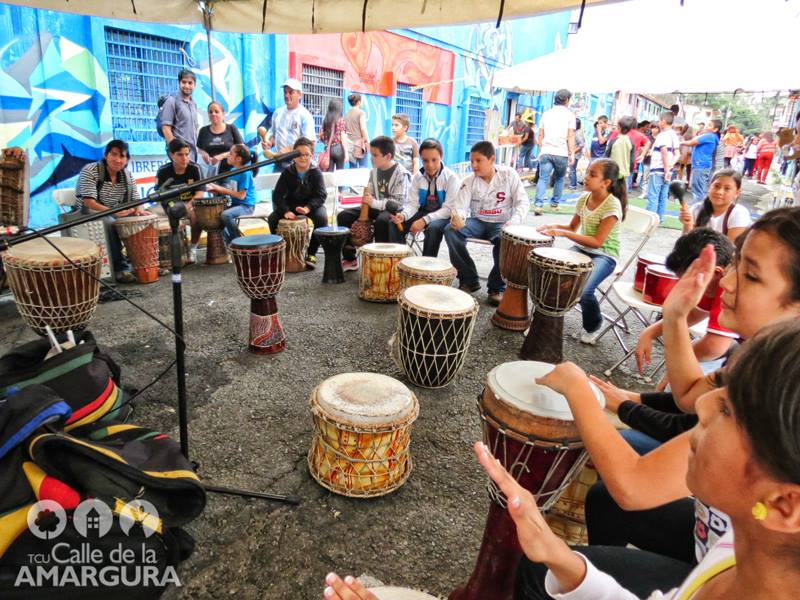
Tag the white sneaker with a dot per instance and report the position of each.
(590, 338)
(192, 257)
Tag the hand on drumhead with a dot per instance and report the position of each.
(303, 210)
(614, 396)
(536, 539)
(140, 211)
(563, 378)
(690, 288)
(348, 588)
(289, 215)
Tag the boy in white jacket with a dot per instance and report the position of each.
(489, 198)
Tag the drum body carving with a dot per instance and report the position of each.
(556, 280)
(332, 240)
(165, 245)
(658, 283)
(516, 242)
(297, 235)
(425, 270)
(434, 329)
(259, 262)
(49, 291)
(362, 231)
(378, 277)
(208, 215)
(140, 236)
(362, 434)
(529, 429)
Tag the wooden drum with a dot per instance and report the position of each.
(556, 280)
(49, 290)
(165, 245)
(378, 276)
(529, 428)
(516, 242)
(362, 434)
(297, 235)
(434, 329)
(208, 216)
(425, 270)
(140, 236)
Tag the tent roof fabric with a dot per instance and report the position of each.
(660, 47)
(308, 16)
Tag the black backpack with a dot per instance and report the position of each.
(162, 100)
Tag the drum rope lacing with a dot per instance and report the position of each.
(540, 285)
(256, 283)
(297, 239)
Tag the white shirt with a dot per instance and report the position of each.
(288, 125)
(502, 200)
(740, 217)
(556, 124)
(669, 139)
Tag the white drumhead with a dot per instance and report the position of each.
(397, 593)
(438, 299)
(513, 382)
(369, 398)
(425, 263)
(561, 255)
(388, 249)
(40, 250)
(526, 232)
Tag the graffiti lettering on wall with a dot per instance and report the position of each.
(492, 50)
(373, 62)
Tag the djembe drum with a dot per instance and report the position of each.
(165, 245)
(139, 233)
(378, 277)
(332, 240)
(362, 434)
(516, 242)
(530, 430)
(49, 290)
(425, 270)
(362, 231)
(297, 235)
(567, 517)
(434, 329)
(208, 216)
(556, 279)
(658, 283)
(642, 262)
(259, 261)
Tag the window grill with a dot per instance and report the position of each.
(409, 101)
(141, 67)
(476, 117)
(320, 85)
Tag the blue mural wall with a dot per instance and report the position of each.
(56, 100)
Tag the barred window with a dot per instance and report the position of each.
(409, 101)
(476, 116)
(141, 67)
(320, 85)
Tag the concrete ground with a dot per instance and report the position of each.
(250, 427)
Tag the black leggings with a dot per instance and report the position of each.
(337, 158)
(663, 536)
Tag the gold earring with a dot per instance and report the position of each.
(759, 511)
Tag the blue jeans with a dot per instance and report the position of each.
(641, 442)
(525, 157)
(573, 174)
(657, 191)
(119, 264)
(602, 267)
(355, 163)
(434, 233)
(557, 167)
(231, 231)
(459, 255)
(700, 181)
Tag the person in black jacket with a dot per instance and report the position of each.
(300, 193)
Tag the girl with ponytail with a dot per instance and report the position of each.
(595, 230)
(719, 211)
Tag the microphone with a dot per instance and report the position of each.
(677, 189)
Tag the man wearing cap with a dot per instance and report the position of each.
(289, 123)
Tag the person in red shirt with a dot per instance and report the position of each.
(766, 152)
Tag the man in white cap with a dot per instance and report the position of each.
(289, 123)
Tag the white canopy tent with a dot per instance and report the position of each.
(307, 16)
(659, 47)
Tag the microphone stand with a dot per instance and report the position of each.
(175, 210)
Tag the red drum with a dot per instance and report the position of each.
(658, 283)
(208, 216)
(530, 430)
(642, 263)
(260, 267)
(516, 242)
(140, 235)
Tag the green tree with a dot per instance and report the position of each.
(749, 114)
